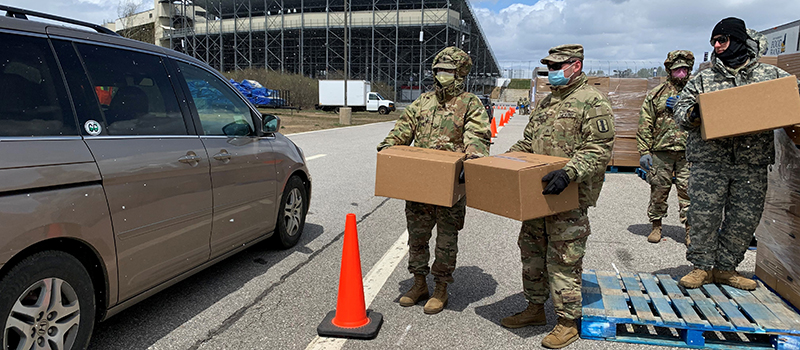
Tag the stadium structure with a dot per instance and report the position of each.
(390, 41)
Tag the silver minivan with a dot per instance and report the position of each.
(125, 168)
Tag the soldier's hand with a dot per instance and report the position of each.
(470, 156)
(646, 161)
(557, 181)
(671, 101)
(694, 117)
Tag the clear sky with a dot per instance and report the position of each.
(620, 33)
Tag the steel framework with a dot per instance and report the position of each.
(391, 41)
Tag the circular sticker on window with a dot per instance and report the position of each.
(92, 127)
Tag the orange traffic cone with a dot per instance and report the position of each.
(351, 319)
(494, 128)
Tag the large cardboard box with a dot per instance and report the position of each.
(511, 185)
(625, 152)
(772, 272)
(420, 175)
(750, 108)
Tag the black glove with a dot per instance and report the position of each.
(557, 181)
(461, 179)
(694, 117)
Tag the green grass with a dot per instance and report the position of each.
(520, 84)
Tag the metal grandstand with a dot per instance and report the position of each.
(391, 41)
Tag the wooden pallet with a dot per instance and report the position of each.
(646, 309)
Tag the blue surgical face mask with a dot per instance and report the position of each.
(557, 77)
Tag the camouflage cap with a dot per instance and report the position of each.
(453, 58)
(679, 58)
(563, 53)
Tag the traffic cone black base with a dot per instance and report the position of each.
(367, 331)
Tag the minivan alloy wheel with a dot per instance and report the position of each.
(47, 313)
(293, 212)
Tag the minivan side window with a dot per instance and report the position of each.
(33, 99)
(221, 111)
(133, 90)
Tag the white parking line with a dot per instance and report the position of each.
(316, 156)
(373, 282)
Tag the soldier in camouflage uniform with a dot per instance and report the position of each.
(447, 119)
(575, 121)
(662, 143)
(728, 180)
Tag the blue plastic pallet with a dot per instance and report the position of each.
(646, 309)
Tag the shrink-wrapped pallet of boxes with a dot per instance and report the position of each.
(778, 234)
(626, 96)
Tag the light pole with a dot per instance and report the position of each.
(345, 113)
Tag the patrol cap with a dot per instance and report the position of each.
(563, 53)
(445, 62)
(679, 58)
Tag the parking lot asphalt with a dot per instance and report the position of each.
(264, 298)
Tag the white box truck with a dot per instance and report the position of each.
(359, 97)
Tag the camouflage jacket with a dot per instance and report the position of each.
(657, 128)
(758, 148)
(574, 121)
(460, 125)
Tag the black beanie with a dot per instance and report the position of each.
(733, 27)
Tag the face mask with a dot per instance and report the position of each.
(680, 73)
(445, 78)
(557, 77)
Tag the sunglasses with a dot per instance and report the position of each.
(720, 39)
(557, 66)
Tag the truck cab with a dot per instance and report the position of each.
(376, 102)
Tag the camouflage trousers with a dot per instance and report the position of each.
(552, 250)
(667, 164)
(420, 219)
(727, 202)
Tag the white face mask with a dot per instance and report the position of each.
(445, 78)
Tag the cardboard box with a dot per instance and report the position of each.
(790, 63)
(420, 175)
(750, 108)
(770, 271)
(511, 185)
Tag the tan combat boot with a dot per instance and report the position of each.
(697, 278)
(688, 240)
(439, 300)
(655, 234)
(564, 334)
(417, 292)
(532, 316)
(733, 279)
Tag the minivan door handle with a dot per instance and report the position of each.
(190, 158)
(223, 156)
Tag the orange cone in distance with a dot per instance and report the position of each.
(351, 319)
(494, 128)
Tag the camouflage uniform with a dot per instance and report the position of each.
(729, 175)
(575, 121)
(446, 119)
(659, 136)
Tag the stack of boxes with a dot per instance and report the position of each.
(626, 96)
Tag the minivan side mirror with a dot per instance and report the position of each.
(270, 123)
(236, 129)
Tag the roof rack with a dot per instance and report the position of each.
(23, 14)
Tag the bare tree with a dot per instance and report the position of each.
(126, 10)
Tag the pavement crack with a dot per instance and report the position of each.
(232, 319)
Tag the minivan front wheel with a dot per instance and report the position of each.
(292, 214)
(47, 300)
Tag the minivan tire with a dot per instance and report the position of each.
(28, 281)
(383, 110)
(292, 213)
